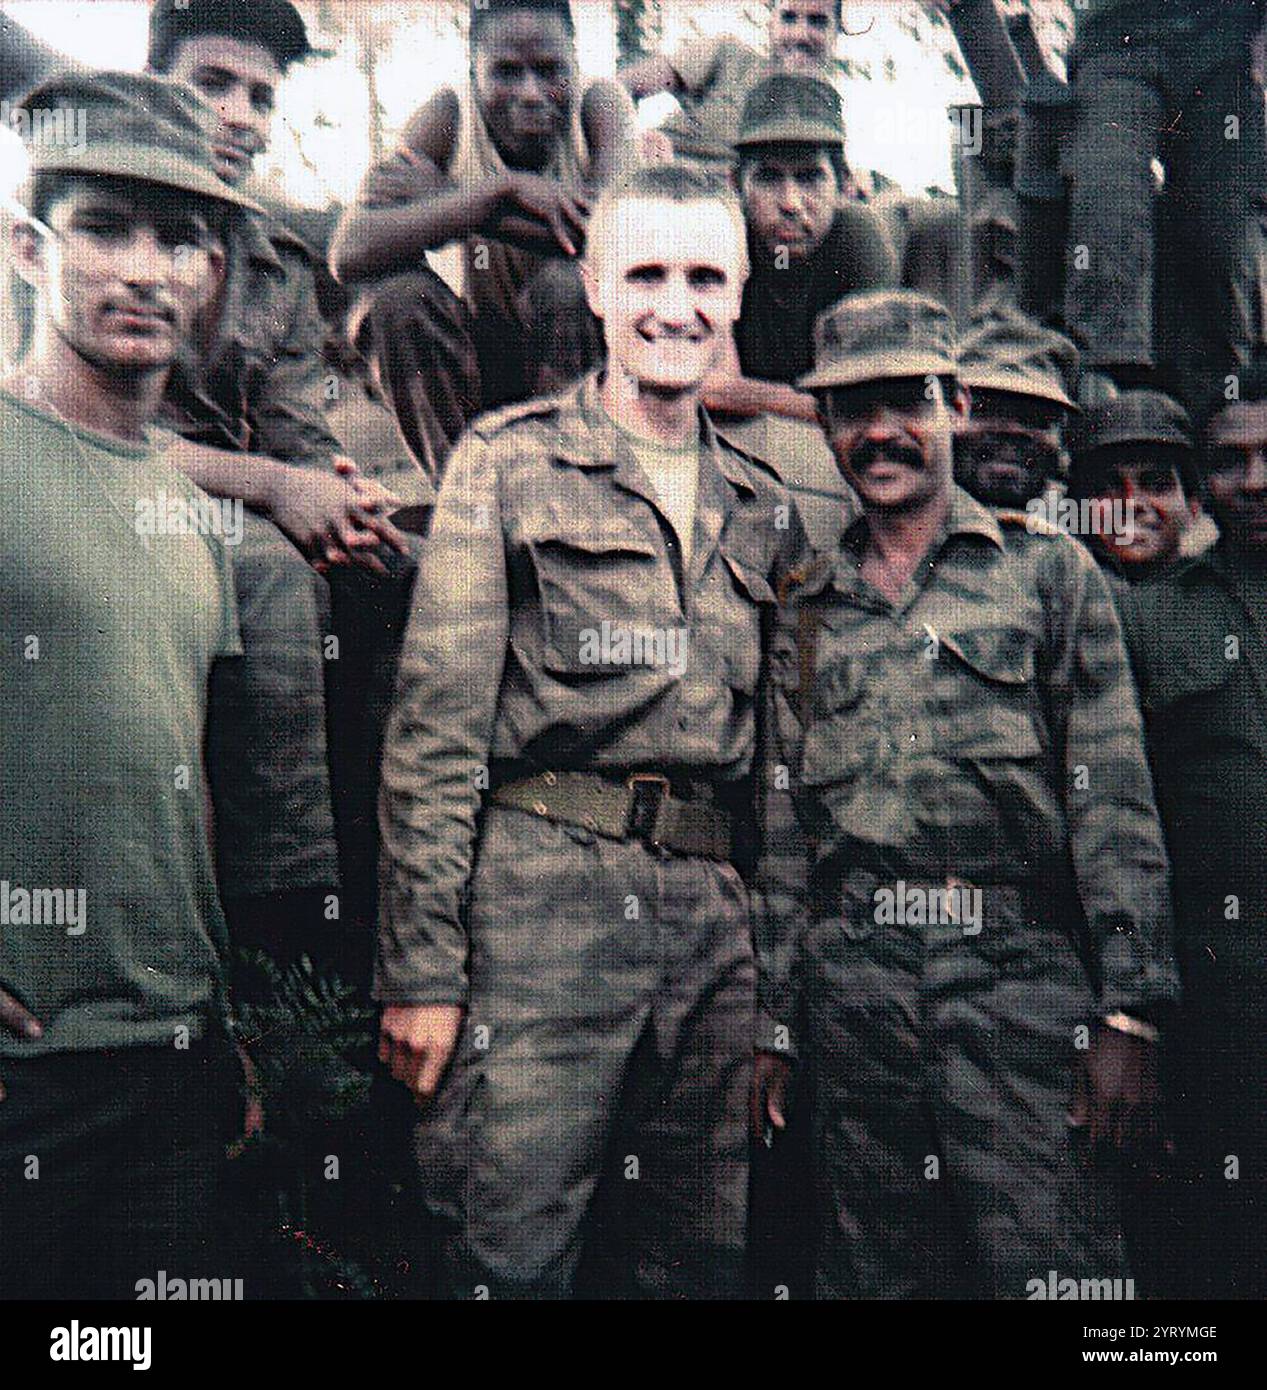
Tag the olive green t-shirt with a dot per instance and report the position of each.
(673, 472)
(117, 599)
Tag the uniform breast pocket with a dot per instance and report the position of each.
(599, 601)
(988, 694)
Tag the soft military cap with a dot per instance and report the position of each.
(882, 334)
(133, 126)
(1133, 417)
(792, 108)
(1007, 350)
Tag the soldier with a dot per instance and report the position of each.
(986, 893)
(253, 395)
(507, 170)
(118, 1079)
(808, 247)
(1200, 651)
(563, 936)
(1134, 456)
(713, 77)
(1019, 376)
(1171, 81)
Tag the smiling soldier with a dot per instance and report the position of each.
(955, 703)
(566, 957)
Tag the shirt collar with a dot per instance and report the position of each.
(588, 438)
(967, 517)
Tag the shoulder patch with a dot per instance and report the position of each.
(493, 422)
(1034, 522)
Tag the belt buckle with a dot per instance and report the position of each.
(645, 809)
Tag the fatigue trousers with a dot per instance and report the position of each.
(440, 365)
(1215, 1196)
(266, 727)
(1170, 283)
(943, 1071)
(596, 1109)
(130, 1151)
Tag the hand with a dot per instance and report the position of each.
(549, 202)
(770, 1076)
(253, 1112)
(335, 519)
(17, 1020)
(415, 1043)
(1115, 1089)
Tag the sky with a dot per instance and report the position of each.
(896, 121)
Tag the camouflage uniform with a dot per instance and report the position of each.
(940, 741)
(608, 987)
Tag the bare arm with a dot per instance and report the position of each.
(727, 391)
(333, 519)
(650, 76)
(608, 123)
(409, 204)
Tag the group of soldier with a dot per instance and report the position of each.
(722, 792)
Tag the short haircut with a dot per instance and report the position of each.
(483, 11)
(674, 183)
(276, 25)
(752, 155)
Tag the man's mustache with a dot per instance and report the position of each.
(890, 450)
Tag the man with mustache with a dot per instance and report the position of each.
(956, 709)
(1136, 452)
(711, 78)
(566, 958)
(1019, 376)
(1200, 650)
(117, 1079)
(506, 170)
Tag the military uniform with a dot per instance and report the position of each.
(1165, 81)
(608, 984)
(259, 388)
(980, 733)
(1200, 649)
